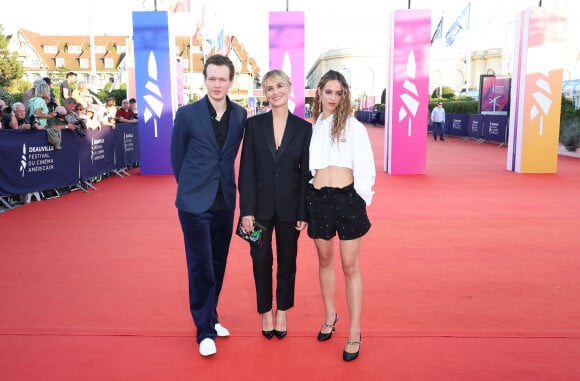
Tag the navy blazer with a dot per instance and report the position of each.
(197, 161)
(273, 181)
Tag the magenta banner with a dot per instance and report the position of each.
(407, 92)
(287, 53)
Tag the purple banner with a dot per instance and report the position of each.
(456, 124)
(287, 53)
(153, 83)
(96, 153)
(475, 126)
(29, 163)
(495, 95)
(126, 145)
(494, 128)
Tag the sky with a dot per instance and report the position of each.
(329, 24)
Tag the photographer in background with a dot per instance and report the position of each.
(5, 114)
(70, 104)
(56, 124)
(51, 104)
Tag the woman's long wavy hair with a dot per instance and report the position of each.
(342, 111)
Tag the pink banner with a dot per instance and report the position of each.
(287, 53)
(179, 78)
(407, 92)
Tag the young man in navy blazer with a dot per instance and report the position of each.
(205, 140)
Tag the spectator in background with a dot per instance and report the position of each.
(80, 110)
(82, 94)
(56, 124)
(52, 102)
(107, 112)
(66, 86)
(124, 114)
(70, 105)
(133, 107)
(92, 119)
(18, 118)
(109, 86)
(28, 94)
(38, 104)
(4, 111)
(438, 119)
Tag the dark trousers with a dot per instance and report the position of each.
(207, 239)
(262, 262)
(438, 126)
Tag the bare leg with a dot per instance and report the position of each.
(349, 253)
(267, 321)
(327, 279)
(280, 320)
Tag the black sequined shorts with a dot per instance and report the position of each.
(332, 210)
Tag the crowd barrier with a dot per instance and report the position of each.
(488, 127)
(371, 117)
(28, 163)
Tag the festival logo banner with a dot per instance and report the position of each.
(154, 81)
(28, 163)
(495, 95)
(96, 153)
(537, 90)
(407, 92)
(287, 53)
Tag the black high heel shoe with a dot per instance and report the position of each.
(267, 334)
(325, 336)
(349, 356)
(280, 334)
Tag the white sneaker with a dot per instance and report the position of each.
(221, 330)
(207, 347)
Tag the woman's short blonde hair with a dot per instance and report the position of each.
(276, 74)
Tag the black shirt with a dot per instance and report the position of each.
(220, 127)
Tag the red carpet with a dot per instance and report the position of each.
(471, 272)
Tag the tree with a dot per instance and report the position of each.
(10, 67)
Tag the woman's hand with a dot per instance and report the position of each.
(301, 225)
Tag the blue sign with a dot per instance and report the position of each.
(153, 82)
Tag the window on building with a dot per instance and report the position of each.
(50, 49)
(84, 63)
(59, 62)
(74, 49)
(185, 63)
(121, 49)
(109, 63)
(100, 49)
